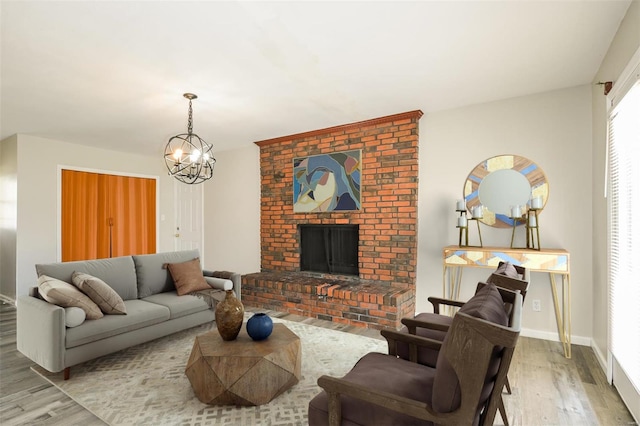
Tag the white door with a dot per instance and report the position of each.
(189, 213)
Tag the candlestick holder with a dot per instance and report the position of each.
(513, 230)
(463, 226)
(477, 221)
(533, 230)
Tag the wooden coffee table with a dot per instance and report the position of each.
(242, 371)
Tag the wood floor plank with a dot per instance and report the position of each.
(548, 389)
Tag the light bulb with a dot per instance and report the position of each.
(195, 155)
(177, 154)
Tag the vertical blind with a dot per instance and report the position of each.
(624, 232)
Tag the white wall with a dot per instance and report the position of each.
(232, 212)
(622, 48)
(8, 215)
(554, 130)
(38, 221)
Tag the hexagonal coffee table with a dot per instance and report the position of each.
(241, 371)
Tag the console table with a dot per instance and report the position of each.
(555, 262)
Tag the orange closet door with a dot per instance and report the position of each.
(84, 216)
(132, 208)
(107, 216)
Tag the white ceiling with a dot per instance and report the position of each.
(112, 74)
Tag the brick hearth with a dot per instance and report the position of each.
(355, 302)
(384, 292)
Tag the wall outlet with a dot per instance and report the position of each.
(536, 305)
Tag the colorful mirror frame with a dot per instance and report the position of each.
(530, 170)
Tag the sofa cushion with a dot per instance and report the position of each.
(102, 295)
(153, 276)
(119, 272)
(486, 304)
(187, 276)
(73, 316)
(384, 373)
(64, 294)
(179, 306)
(219, 283)
(140, 314)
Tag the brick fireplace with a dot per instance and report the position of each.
(384, 290)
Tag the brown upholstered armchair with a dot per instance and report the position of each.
(463, 389)
(435, 325)
(507, 276)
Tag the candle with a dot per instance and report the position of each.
(536, 202)
(462, 222)
(477, 212)
(532, 221)
(515, 211)
(460, 205)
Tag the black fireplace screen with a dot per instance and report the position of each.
(329, 248)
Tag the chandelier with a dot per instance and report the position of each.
(189, 158)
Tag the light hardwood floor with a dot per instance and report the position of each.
(548, 389)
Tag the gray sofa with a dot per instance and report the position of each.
(153, 309)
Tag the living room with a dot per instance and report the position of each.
(562, 128)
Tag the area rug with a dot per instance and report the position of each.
(146, 384)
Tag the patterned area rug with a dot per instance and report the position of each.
(146, 384)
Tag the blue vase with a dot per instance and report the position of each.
(259, 326)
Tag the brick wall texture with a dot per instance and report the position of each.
(389, 196)
(387, 222)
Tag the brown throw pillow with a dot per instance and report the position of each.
(64, 294)
(507, 269)
(102, 295)
(187, 276)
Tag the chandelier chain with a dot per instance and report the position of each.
(190, 122)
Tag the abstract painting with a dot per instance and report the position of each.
(327, 182)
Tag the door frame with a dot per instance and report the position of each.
(103, 172)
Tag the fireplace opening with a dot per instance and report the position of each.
(329, 248)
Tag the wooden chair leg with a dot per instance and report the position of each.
(67, 373)
(507, 385)
(503, 412)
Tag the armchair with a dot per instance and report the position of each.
(507, 276)
(463, 388)
(435, 325)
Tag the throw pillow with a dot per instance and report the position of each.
(187, 276)
(104, 296)
(507, 269)
(64, 294)
(74, 317)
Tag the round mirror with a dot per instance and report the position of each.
(502, 182)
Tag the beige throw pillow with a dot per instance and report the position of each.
(64, 294)
(104, 296)
(187, 276)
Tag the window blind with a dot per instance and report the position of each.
(624, 232)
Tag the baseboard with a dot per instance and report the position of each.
(548, 335)
(602, 360)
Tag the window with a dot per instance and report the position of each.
(624, 238)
